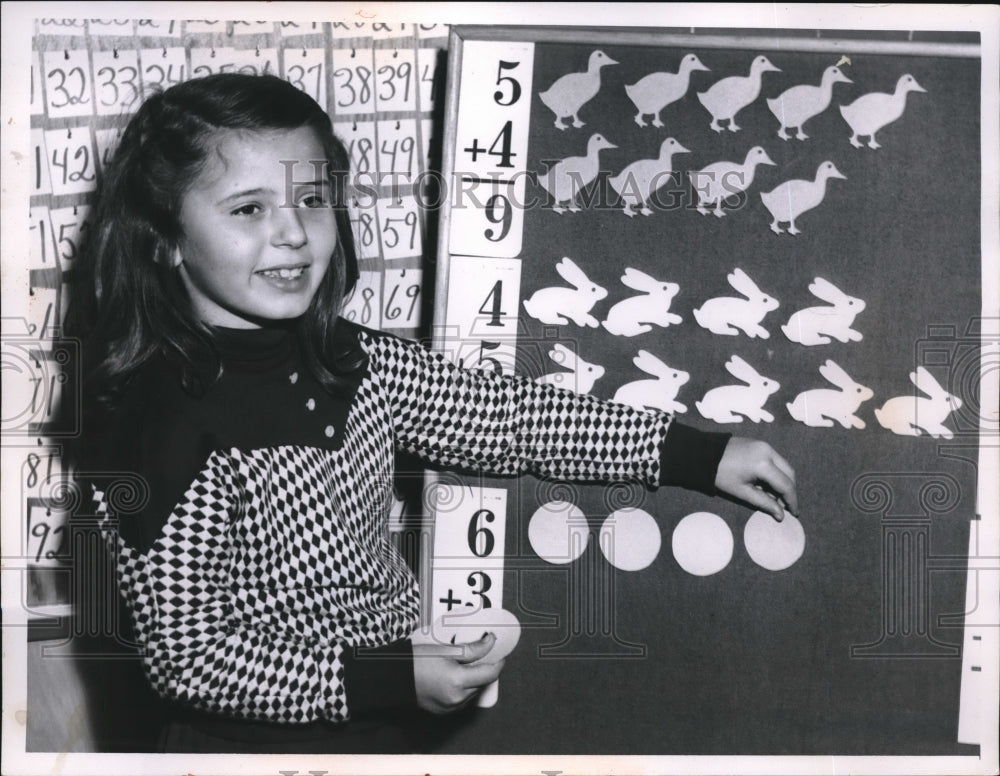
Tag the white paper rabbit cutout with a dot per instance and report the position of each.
(822, 406)
(817, 325)
(582, 377)
(658, 393)
(559, 305)
(730, 315)
(728, 403)
(638, 314)
(913, 415)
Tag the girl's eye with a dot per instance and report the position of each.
(247, 210)
(313, 201)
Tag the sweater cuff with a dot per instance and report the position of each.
(690, 458)
(379, 678)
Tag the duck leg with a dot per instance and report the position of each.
(576, 121)
(854, 140)
(872, 143)
(732, 125)
(718, 212)
(559, 123)
(645, 210)
(801, 135)
(656, 121)
(782, 134)
(702, 209)
(775, 228)
(629, 210)
(792, 229)
(715, 124)
(639, 120)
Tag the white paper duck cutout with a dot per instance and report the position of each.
(638, 314)
(733, 403)
(721, 180)
(567, 178)
(870, 112)
(730, 315)
(582, 374)
(725, 98)
(569, 93)
(916, 415)
(654, 92)
(658, 393)
(795, 106)
(559, 305)
(822, 406)
(793, 198)
(818, 325)
(637, 183)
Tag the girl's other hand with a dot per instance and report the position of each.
(752, 472)
(446, 684)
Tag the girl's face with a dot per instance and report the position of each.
(258, 235)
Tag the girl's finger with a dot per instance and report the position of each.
(781, 484)
(763, 501)
(478, 676)
(783, 465)
(477, 650)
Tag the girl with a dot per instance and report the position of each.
(258, 431)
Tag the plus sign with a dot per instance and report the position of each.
(449, 601)
(475, 150)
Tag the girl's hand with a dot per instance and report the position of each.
(752, 472)
(446, 684)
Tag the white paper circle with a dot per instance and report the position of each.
(771, 544)
(702, 544)
(630, 539)
(558, 532)
(466, 628)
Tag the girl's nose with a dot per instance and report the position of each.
(288, 230)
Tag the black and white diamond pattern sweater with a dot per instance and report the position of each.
(261, 558)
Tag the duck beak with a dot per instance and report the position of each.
(767, 159)
(844, 79)
(679, 149)
(918, 88)
(699, 66)
(610, 61)
(835, 173)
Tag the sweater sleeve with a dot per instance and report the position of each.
(504, 425)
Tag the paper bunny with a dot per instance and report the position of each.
(822, 406)
(816, 325)
(727, 403)
(657, 394)
(730, 315)
(636, 314)
(583, 375)
(911, 415)
(558, 305)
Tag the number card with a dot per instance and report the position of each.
(359, 136)
(116, 76)
(37, 98)
(41, 250)
(395, 87)
(162, 68)
(67, 84)
(482, 311)
(69, 225)
(208, 61)
(427, 59)
(306, 69)
(397, 157)
(71, 160)
(364, 221)
(491, 149)
(364, 306)
(353, 81)
(402, 298)
(399, 227)
(41, 180)
(107, 144)
(47, 533)
(468, 558)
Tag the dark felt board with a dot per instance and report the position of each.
(747, 660)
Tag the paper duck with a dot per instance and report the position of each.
(569, 93)
(568, 177)
(795, 106)
(870, 112)
(725, 98)
(793, 198)
(721, 180)
(637, 183)
(654, 92)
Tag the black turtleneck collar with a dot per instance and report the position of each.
(254, 349)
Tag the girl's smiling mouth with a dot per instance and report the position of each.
(283, 273)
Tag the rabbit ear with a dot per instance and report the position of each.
(650, 364)
(925, 381)
(832, 372)
(638, 280)
(572, 273)
(825, 290)
(739, 280)
(741, 370)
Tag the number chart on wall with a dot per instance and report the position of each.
(774, 237)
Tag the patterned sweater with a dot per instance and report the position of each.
(254, 552)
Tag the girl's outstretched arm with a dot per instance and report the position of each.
(751, 471)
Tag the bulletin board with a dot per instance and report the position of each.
(775, 235)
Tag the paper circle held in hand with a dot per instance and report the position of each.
(773, 545)
(702, 544)
(466, 628)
